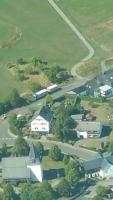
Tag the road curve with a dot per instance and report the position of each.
(80, 36)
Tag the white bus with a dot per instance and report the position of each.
(52, 88)
(40, 94)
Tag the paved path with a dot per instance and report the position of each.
(80, 36)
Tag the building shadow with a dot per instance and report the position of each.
(53, 173)
(106, 130)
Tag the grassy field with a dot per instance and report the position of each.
(43, 34)
(50, 164)
(95, 20)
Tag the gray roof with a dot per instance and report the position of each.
(77, 117)
(44, 112)
(80, 89)
(98, 163)
(15, 168)
(110, 159)
(71, 93)
(89, 126)
(93, 164)
(86, 154)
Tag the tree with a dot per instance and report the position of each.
(110, 147)
(101, 191)
(64, 188)
(15, 124)
(15, 98)
(98, 198)
(43, 191)
(72, 172)
(63, 126)
(21, 147)
(21, 61)
(66, 159)
(20, 76)
(4, 150)
(9, 193)
(34, 61)
(12, 120)
(55, 153)
(25, 193)
(49, 100)
(40, 148)
(35, 86)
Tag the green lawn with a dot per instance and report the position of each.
(50, 164)
(44, 34)
(95, 20)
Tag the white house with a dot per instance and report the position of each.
(89, 129)
(41, 121)
(106, 91)
(101, 168)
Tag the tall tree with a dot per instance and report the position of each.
(49, 100)
(40, 148)
(21, 147)
(4, 150)
(110, 147)
(43, 192)
(35, 86)
(72, 172)
(9, 193)
(25, 192)
(55, 153)
(64, 188)
(15, 98)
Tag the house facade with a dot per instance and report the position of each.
(89, 129)
(101, 168)
(41, 122)
(106, 91)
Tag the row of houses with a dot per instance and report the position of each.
(42, 120)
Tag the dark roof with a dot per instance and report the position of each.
(80, 89)
(110, 159)
(93, 164)
(44, 112)
(97, 163)
(33, 154)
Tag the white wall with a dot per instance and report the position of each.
(37, 172)
(40, 125)
(82, 134)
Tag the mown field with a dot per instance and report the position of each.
(41, 33)
(95, 20)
